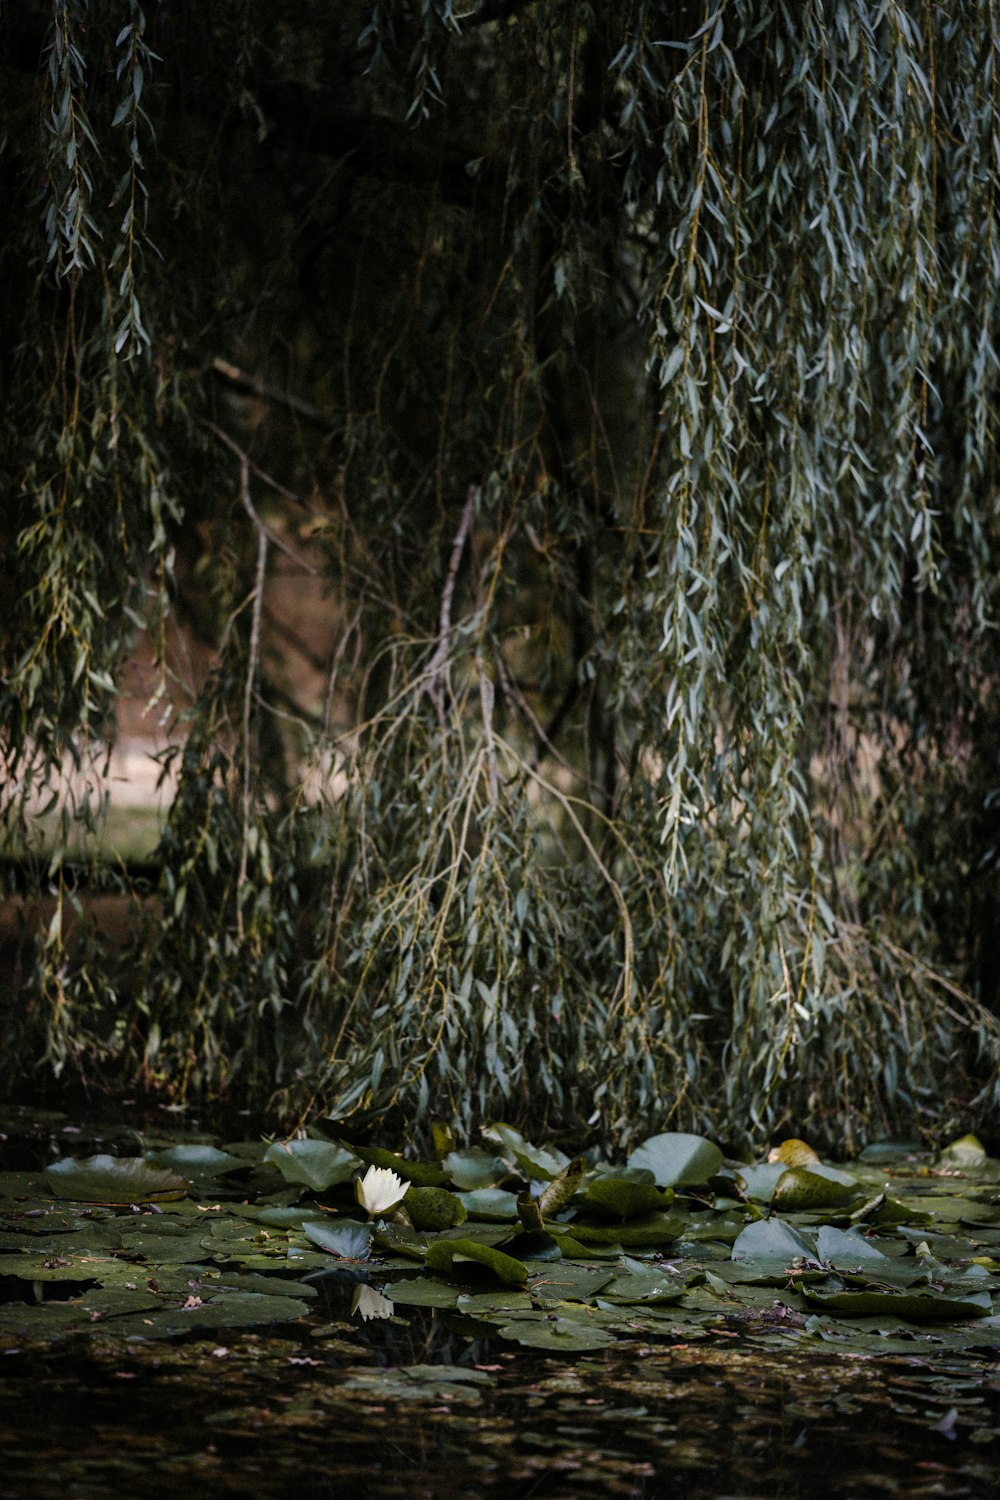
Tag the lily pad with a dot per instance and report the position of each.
(491, 1204)
(561, 1189)
(434, 1208)
(772, 1240)
(450, 1255)
(814, 1187)
(844, 1247)
(114, 1179)
(348, 1240)
(423, 1291)
(919, 1306)
(759, 1182)
(967, 1151)
(475, 1169)
(197, 1161)
(651, 1229)
(535, 1162)
(621, 1198)
(558, 1335)
(676, 1159)
(420, 1173)
(313, 1164)
(794, 1153)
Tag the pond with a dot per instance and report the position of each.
(160, 1338)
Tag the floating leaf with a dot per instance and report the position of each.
(420, 1173)
(313, 1164)
(400, 1239)
(813, 1187)
(794, 1153)
(114, 1179)
(918, 1306)
(772, 1240)
(534, 1162)
(197, 1161)
(556, 1335)
(449, 1255)
(758, 1183)
(842, 1247)
(651, 1229)
(348, 1240)
(643, 1284)
(475, 1169)
(532, 1244)
(621, 1198)
(493, 1205)
(676, 1159)
(434, 1208)
(966, 1151)
(422, 1291)
(555, 1197)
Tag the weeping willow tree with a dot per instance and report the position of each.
(626, 373)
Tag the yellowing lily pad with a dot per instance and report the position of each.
(794, 1153)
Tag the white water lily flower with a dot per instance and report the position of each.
(379, 1190)
(370, 1303)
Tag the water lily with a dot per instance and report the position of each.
(370, 1303)
(379, 1190)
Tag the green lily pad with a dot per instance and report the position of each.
(558, 1335)
(676, 1159)
(420, 1173)
(536, 1163)
(491, 1204)
(348, 1240)
(400, 1239)
(813, 1187)
(572, 1248)
(651, 1229)
(554, 1198)
(772, 1240)
(570, 1282)
(475, 1169)
(197, 1161)
(434, 1208)
(621, 1198)
(423, 1291)
(759, 1182)
(314, 1164)
(532, 1244)
(498, 1301)
(842, 1247)
(450, 1255)
(448, 1383)
(918, 1306)
(114, 1179)
(643, 1284)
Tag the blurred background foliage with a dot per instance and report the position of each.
(619, 380)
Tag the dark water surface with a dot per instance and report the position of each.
(415, 1407)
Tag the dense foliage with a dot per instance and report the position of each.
(628, 374)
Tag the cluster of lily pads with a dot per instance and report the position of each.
(896, 1251)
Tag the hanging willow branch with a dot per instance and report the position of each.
(652, 777)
